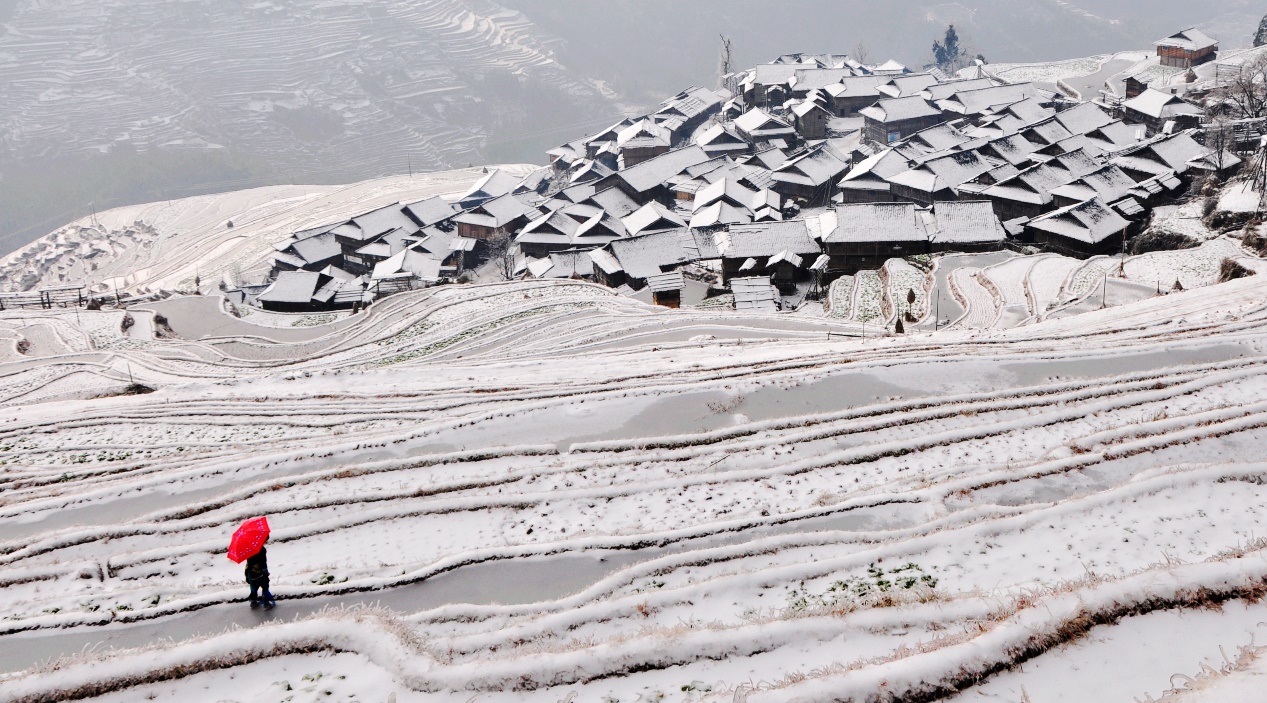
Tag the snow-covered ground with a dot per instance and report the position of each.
(536, 491)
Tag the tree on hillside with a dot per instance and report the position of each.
(947, 53)
(1246, 93)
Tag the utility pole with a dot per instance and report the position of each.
(1104, 291)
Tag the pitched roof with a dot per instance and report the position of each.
(647, 254)
(292, 287)
(966, 222)
(1084, 118)
(765, 239)
(496, 183)
(1089, 222)
(813, 168)
(430, 211)
(1190, 39)
(873, 222)
(718, 214)
(899, 109)
(1158, 105)
(974, 102)
(614, 202)
(759, 123)
(654, 172)
(652, 216)
(318, 248)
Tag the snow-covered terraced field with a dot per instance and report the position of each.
(544, 491)
(311, 88)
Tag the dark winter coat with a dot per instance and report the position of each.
(257, 568)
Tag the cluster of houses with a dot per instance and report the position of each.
(812, 167)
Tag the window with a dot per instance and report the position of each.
(894, 136)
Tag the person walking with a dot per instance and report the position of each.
(257, 579)
(247, 545)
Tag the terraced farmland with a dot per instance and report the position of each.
(533, 490)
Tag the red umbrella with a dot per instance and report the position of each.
(248, 540)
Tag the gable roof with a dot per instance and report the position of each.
(654, 172)
(496, 183)
(292, 287)
(1190, 39)
(899, 109)
(966, 222)
(1156, 104)
(765, 239)
(1088, 222)
(651, 216)
(430, 211)
(759, 123)
(873, 222)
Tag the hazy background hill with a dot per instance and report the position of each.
(109, 102)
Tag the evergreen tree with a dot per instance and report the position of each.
(947, 53)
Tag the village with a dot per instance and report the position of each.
(814, 167)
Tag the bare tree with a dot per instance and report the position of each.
(725, 63)
(502, 254)
(1246, 92)
(862, 52)
(1220, 138)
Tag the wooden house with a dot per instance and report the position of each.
(892, 120)
(496, 219)
(966, 225)
(865, 235)
(749, 249)
(810, 119)
(1085, 229)
(1186, 48)
(1154, 108)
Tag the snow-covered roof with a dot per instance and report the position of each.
(765, 239)
(875, 222)
(1084, 118)
(966, 222)
(899, 109)
(652, 216)
(718, 214)
(664, 282)
(318, 248)
(754, 294)
(604, 260)
(292, 287)
(648, 254)
(614, 202)
(907, 85)
(1158, 105)
(430, 211)
(1089, 222)
(758, 123)
(1190, 39)
(654, 172)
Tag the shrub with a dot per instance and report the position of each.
(1230, 270)
(1161, 240)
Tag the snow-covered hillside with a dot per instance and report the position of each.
(347, 82)
(536, 491)
(164, 245)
